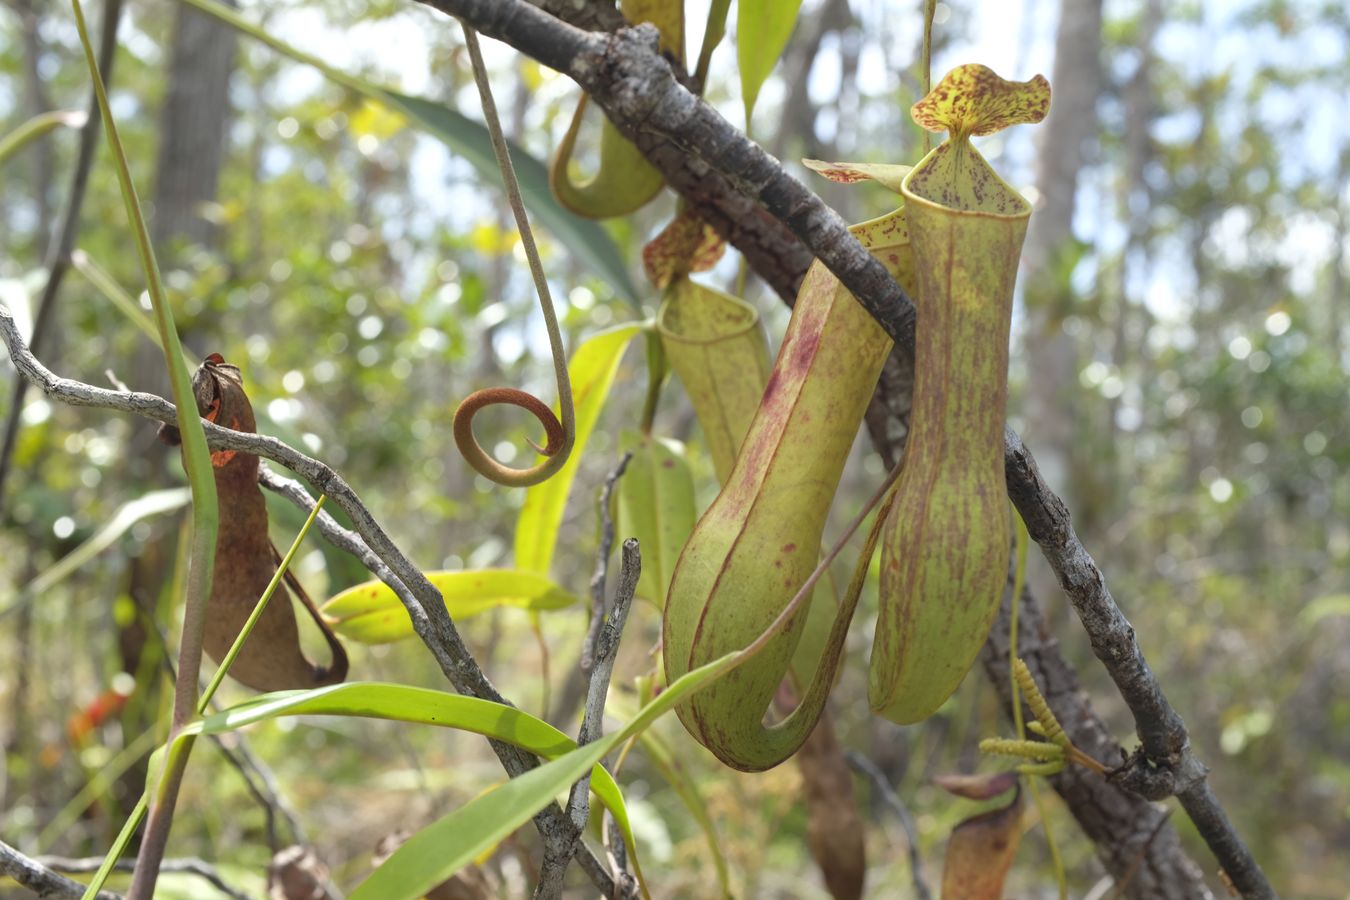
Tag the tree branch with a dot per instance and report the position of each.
(40, 879)
(606, 651)
(626, 76)
(424, 604)
(186, 866)
(891, 800)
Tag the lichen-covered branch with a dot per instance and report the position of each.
(424, 604)
(626, 76)
(41, 879)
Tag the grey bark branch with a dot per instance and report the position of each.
(626, 76)
(1164, 765)
(557, 856)
(186, 866)
(41, 879)
(424, 604)
(601, 573)
(1128, 832)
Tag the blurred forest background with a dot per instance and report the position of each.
(1179, 367)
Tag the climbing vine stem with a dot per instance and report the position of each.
(560, 434)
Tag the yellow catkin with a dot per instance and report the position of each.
(1037, 750)
(1039, 708)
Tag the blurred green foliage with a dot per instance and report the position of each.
(366, 280)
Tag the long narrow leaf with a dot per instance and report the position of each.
(593, 367)
(371, 612)
(448, 844)
(196, 459)
(404, 703)
(762, 31)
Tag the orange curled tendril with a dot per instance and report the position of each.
(561, 434)
(557, 443)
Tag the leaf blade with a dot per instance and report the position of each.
(371, 612)
(762, 31)
(592, 369)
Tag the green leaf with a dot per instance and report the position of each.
(468, 138)
(36, 127)
(448, 844)
(656, 506)
(762, 31)
(403, 703)
(673, 773)
(370, 613)
(592, 369)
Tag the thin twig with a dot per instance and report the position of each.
(186, 866)
(601, 565)
(58, 253)
(41, 879)
(556, 857)
(423, 602)
(868, 769)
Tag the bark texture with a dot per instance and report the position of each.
(194, 122)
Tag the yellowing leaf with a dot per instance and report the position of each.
(656, 506)
(666, 15)
(371, 614)
(973, 100)
(762, 31)
(592, 369)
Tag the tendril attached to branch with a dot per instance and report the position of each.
(560, 434)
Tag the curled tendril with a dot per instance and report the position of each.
(557, 445)
(561, 433)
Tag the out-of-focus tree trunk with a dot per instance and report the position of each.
(1134, 199)
(1049, 353)
(194, 122)
(36, 102)
(1337, 296)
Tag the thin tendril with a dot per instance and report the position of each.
(560, 434)
(929, 11)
